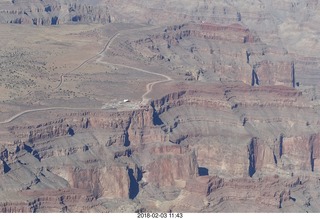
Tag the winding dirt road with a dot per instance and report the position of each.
(36, 110)
(101, 55)
(87, 60)
(148, 86)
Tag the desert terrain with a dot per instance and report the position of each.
(159, 106)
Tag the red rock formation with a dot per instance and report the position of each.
(171, 164)
(128, 153)
(240, 134)
(204, 185)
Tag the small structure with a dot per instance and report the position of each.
(126, 100)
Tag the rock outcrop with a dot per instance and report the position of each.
(235, 129)
(176, 145)
(52, 12)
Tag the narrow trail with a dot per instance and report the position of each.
(87, 60)
(101, 55)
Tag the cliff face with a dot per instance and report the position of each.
(52, 12)
(172, 164)
(252, 145)
(244, 145)
(101, 154)
(213, 142)
(201, 52)
(236, 129)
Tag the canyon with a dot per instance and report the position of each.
(161, 106)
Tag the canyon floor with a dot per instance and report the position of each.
(139, 106)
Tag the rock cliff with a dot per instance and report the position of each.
(194, 140)
(235, 129)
